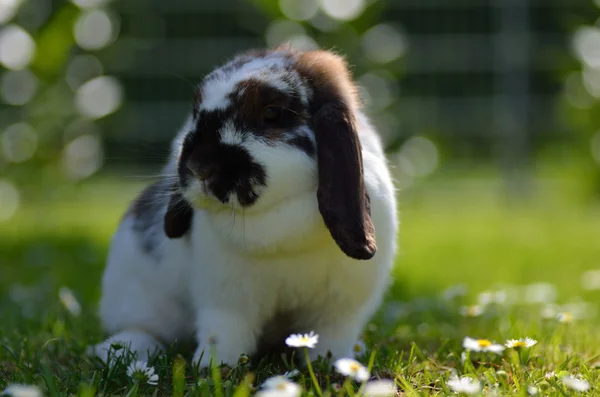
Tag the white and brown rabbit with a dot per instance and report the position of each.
(268, 227)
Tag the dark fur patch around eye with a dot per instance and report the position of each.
(249, 100)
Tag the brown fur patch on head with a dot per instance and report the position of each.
(329, 76)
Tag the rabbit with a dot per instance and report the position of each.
(275, 214)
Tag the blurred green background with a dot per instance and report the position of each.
(489, 110)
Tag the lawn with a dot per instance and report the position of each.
(459, 238)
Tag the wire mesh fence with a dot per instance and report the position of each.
(89, 83)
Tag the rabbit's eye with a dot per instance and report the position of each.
(272, 113)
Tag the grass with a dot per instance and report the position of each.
(455, 231)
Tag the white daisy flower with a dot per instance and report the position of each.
(565, 317)
(540, 293)
(482, 345)
(69, 301)
(352, 368)
(550, 375)
(380, 388)
(550, 311)
(590, 280)
(472, 311)
(498, 297)
(140, 372)
(532, 390)
(464, 384)
(22, 391)
(300, 340)
(575, 383)
(279, 386)
(454, 292)
(519, 343)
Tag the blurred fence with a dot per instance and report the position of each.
(94, 82)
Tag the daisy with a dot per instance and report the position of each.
(139, 371)
(472, 311)
(565, 317)
(482, 345)
(453, 292)
(549, 375)
(380, 388)
(517, 344)
(575, 383)
(464, 385)
(22, 391)
(540, 293)
(352, 368)
(279, 386)
(69, 301)
(300, 340)
(532, 390)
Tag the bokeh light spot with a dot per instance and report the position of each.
(81, 69)
(345, 10)
(377, 93)
(423, 155)
(8, 9)
(302, 42)
(9, 200)
(586, 44)
(99, 97)
(19, 142)
(95, 29)
(281, 31)
(82, 157)
(89, 3)
(299, 10)
(18, 87)
(383, 43)
(17, 48)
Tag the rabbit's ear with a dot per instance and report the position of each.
(343, 199)
(341, 193)
(178, 218)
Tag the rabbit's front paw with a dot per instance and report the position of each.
(223, 337)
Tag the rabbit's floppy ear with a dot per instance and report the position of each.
(342, 197)
(178, 218)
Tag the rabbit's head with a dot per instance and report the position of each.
(269, 126)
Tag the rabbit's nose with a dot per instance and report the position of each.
(202, 172)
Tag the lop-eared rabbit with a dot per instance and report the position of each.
(276, 214)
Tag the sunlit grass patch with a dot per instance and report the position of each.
(470, 265)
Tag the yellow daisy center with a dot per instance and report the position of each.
(472, 311)
(281, 386)
(357, 348)
(354, 367)
(484, 342)
(519, 343)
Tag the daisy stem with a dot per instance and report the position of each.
(312, 373)
(133, 391)
(347, 387)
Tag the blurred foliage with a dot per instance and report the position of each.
(427, 71)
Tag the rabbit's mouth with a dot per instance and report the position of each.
(229, 174)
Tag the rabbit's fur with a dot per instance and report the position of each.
(267, 222)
